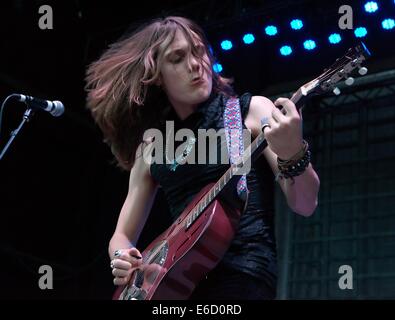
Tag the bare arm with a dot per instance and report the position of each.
(286, 140)
(137, 206)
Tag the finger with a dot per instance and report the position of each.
(135, 256)
(121, 264)
(264, 123)
(278, 116)
(273, 123)
(137, 263)
(278, 105)
(119, 273)
(288, 106)
(264, 120)
(134, 252)
(124, 255)
(120, 281)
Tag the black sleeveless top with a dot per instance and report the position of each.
(253, 249)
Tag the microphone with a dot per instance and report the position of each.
(56, 108)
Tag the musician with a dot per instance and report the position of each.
(163, 71)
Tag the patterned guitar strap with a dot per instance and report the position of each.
(234, 138)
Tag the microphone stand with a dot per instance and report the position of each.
(26, 118)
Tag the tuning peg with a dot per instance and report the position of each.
(349, 81)
(336, 91)
(362, 71)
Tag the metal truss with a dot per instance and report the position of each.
(353, 142)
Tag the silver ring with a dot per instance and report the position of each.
(265, 123)
(117, 253)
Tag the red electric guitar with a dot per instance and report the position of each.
(176, 261)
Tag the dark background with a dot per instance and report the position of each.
(60, 193)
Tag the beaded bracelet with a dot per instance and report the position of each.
(294, 167)
(295, 157)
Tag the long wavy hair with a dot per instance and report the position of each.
(122, 94)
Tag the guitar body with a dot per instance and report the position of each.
(176, 261)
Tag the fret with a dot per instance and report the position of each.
(197, 208)
(229, 175)
(187, 223)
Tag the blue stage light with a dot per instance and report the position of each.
(388, 24)
(360, 32)
(217, 67)
(309, 44)
(226, 45)
(371, 6)
(248, 38)
(296, 24)
(285, 50)
(271, 30)
(334, 38)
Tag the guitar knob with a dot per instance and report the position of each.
(336, 91)
(350, 81)
(362, 71)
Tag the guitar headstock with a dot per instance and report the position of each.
(339, 71)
